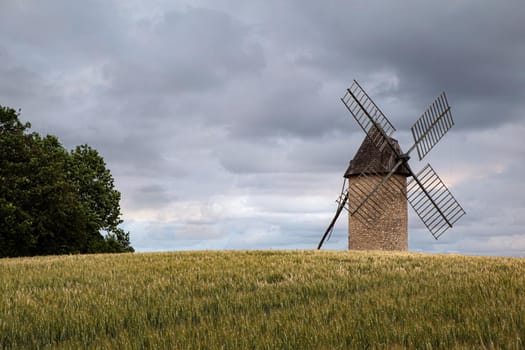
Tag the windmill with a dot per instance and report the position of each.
(378, 191)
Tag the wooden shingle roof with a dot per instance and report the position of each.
(382, 161)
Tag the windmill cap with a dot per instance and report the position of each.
(371, 159)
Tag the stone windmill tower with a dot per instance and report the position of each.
(378, 190)
(388, 228)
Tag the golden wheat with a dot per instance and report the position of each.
(263, 300)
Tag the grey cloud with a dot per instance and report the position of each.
(223, 126)
(329, 153)
(471, 51)
(280, 102)
(152, 195)
(61, 32)
(17, 81)
(185, 52)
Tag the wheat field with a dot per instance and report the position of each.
(262, 300)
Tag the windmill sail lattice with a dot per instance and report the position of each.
(368, 115)
(374, 190)
(372, 194)
(432, 126)
(450, 210)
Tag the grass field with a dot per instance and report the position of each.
(263, 300)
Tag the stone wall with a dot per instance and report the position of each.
(389, 229)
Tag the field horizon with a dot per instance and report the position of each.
(265, 299)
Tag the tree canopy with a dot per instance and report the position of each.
(54, 201)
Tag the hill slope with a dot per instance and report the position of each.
(263, 299)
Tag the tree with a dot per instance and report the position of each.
(53, 201)
(98, 196)
(16, 224)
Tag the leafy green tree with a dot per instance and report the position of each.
(98, 196)
(53, 201)
(55, 204)
(16, 224)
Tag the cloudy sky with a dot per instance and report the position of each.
(222, 124)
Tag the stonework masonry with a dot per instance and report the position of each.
(388, 231)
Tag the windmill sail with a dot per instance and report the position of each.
(432, 126)
(433, 202)
(368, 115)
(381, 194)
(372, 192)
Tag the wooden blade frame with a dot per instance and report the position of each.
(433, 202)
(368, 115)
(432, 126)
(371, 194)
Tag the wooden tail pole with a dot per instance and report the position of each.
(332, 223)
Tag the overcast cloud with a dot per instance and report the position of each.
(221, 120)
